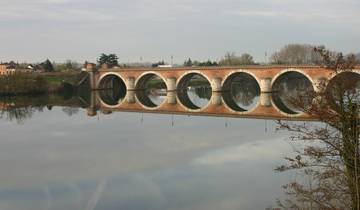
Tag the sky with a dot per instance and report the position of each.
(152, 30)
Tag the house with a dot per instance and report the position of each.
(2, 69)
(6, 106)
(7, 69)
(34, 68)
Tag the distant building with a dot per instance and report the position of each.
(35, 68)
(2, 69)
(164, 66)
(88, 66)
(12, 68)
(6, 106)
(7, 69)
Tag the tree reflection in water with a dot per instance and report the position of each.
(195, 91)
(289, 87)
(19, 114)
(112, 90)
(21, 108)
(151, 91)
(242, 92)
(112, 97)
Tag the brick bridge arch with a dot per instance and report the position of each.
(264, 75)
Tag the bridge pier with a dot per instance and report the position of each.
(171, 97)
(130, 96)
(93, 106)
(130, 83)
(92, 71)
(171, 84)
(216, 99)
(216, 84)
(265, 85)
(265, 99)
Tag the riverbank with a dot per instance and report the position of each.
(39, 83)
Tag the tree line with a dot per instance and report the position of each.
(47, 66)
(290, 54)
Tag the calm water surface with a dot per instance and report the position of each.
(56, 157)
(139, 161)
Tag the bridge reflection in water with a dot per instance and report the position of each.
(241, 97)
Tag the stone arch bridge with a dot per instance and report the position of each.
(217, 76)
(174, 78)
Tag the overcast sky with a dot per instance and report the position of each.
(33, 30)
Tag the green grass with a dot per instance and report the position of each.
(55, 79)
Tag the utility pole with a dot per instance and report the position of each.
(266, 60)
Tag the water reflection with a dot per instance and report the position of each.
(151, 91)
(117, 162)
(288, 89)
(112, 97)
(242, 92)
(108, 101)
(21, 108)
(121, 161)
(112, 90)
(337, 89)
(194, 91)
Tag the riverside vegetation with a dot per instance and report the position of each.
(44, 83)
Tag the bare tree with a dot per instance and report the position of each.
(357, 58)
(332, 157)
(296, 54)
(231, 59)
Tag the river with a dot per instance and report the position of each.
(54, 155)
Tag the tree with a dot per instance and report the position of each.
(69, 65)
(199, 63)
(230, 59)
(188, 63)
(72, 65)
(357, 58)
(111, 60)
(207, 63)
(331, 159)
(246, 59)
(296, 54)
(154, 65)
(47, 65)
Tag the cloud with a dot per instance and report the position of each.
(185, 28)
(266, 150)
(100, 187)
(88, 11)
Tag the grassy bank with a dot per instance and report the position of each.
(55, 79)
(32, 84)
